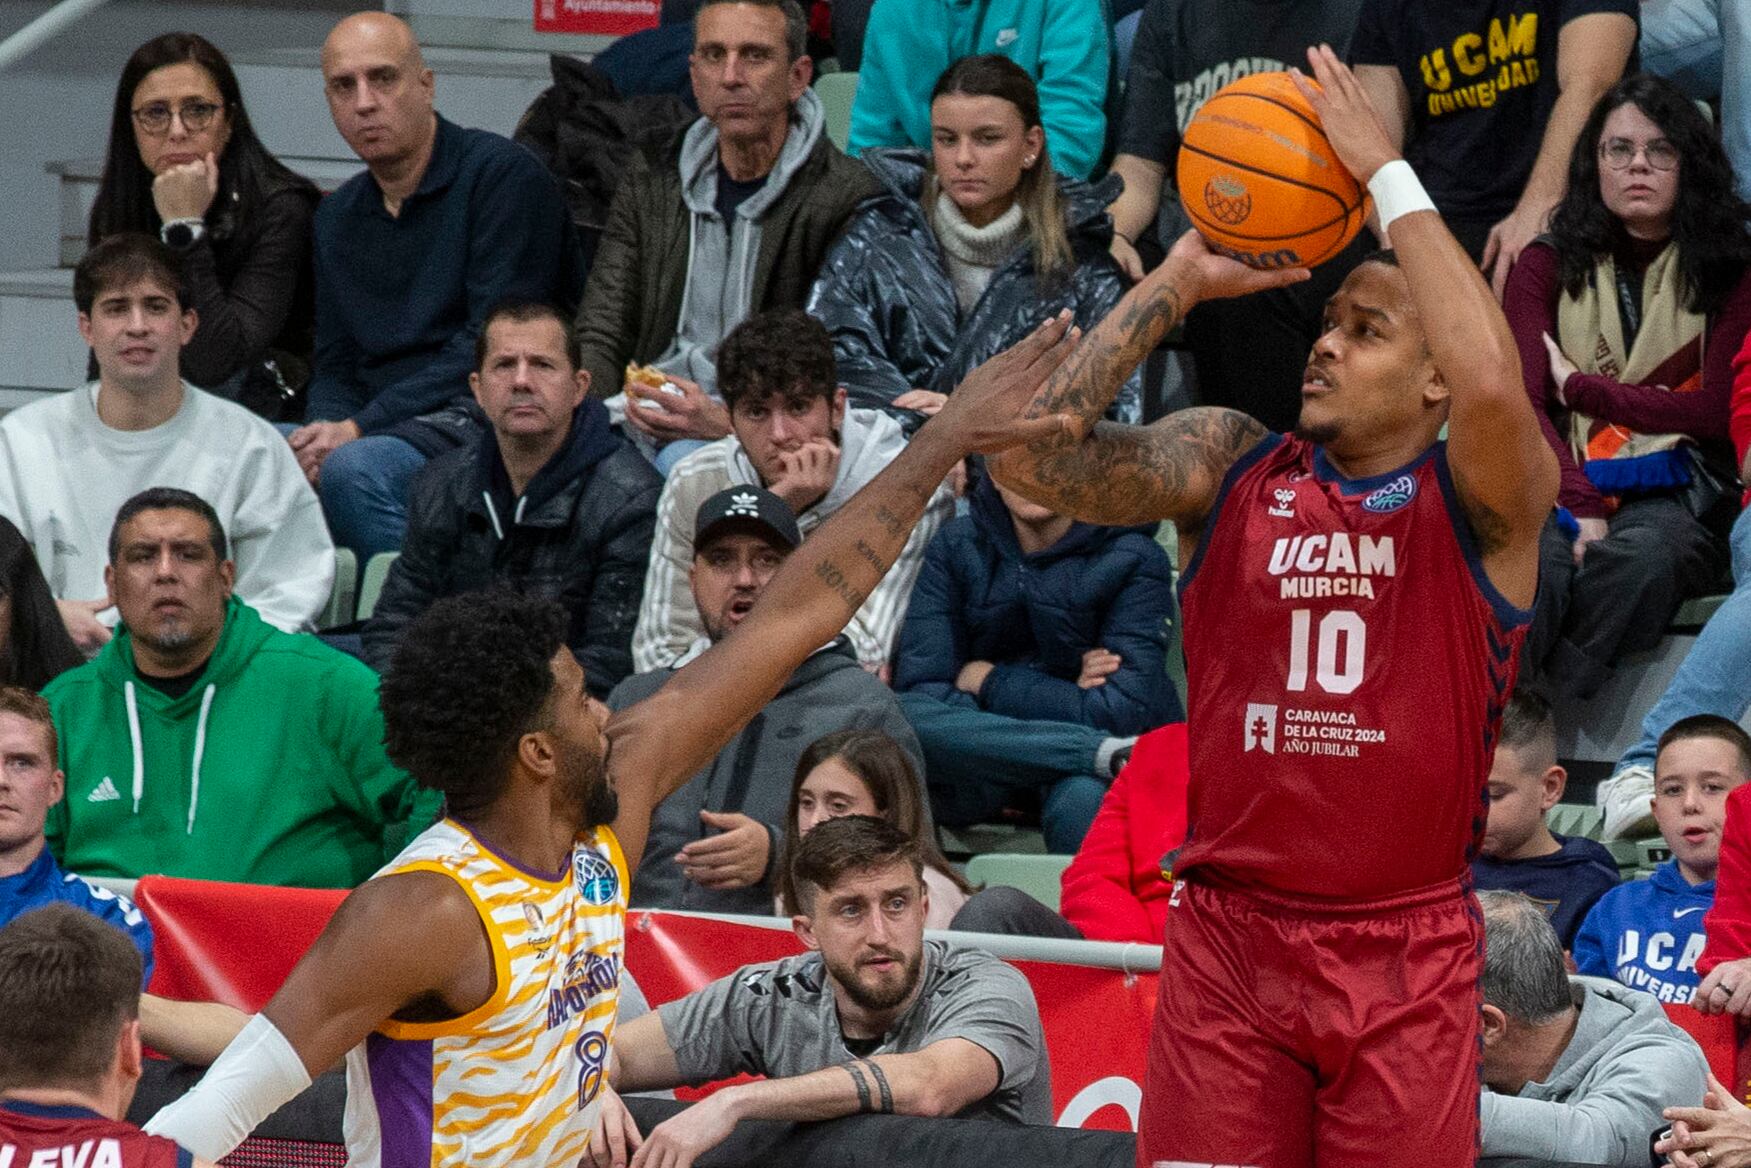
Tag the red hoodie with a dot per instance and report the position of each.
(1728, 924)
(1114, 890)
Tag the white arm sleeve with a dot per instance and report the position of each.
(255, 1076)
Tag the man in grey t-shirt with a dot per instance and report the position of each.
(875, 1018)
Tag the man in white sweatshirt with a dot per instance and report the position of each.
(68, 463)
(791, 434)
(1577, 1068)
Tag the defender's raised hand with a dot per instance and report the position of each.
(984, 413)
(1350, 121)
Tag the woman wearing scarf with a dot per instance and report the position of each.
(1628, 315)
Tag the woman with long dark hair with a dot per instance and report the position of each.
(1627, 317)
(184, 164)
(968, 249)
(34, 645)
(865, 772)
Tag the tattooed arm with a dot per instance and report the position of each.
(1101, 472)
(657, 744)
(1504, 474)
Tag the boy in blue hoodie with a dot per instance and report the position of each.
(1563, 875)
(1649, 934)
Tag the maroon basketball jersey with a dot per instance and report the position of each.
(38, 1136)
(1347, 662)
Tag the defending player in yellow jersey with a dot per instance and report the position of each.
(472, 984)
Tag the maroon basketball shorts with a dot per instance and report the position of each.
(1298, 1035)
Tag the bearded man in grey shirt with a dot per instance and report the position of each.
(873, 1019)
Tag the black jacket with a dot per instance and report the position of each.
(579, 535)
(885, 295)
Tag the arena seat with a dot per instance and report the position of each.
(837, 92)
(1038, 876)
(371, 587)
(1575, 819)
(343, 594)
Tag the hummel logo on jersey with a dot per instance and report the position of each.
(1285, 508)
(104, 792)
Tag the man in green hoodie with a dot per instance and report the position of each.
(203, 742)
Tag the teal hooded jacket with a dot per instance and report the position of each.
(269, 770)
(1064, 45)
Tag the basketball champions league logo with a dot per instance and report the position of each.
(1392, 496)
(598, 883)
(1227, 200)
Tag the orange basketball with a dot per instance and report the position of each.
(1259, 180)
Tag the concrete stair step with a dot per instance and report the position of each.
(40, 348)
(488, 89)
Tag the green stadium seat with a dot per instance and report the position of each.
(343, 593)
(1037, 876)
(837, 91)
(1650, 854)
(376, 572)
(1579, 819)
(1694, 613)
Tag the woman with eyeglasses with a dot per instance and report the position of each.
(1627, 316)
(185, 165)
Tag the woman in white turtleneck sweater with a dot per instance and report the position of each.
(968, 248)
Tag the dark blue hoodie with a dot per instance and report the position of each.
(1565, 884)
(979, 598)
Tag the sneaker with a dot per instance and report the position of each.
(1626, 798)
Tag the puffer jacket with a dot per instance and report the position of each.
(885, 294)
(579, 535)
(1033, 616)
(632, 302)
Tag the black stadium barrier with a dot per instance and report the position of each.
(306, 1133)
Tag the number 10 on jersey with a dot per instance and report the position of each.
(1343, 643)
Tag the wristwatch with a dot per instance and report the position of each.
(182, 234)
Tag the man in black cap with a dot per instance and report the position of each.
(714, 843)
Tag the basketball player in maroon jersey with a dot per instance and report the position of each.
(1355, 596)
(70, 1046)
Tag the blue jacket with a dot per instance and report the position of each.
(1648, 934)
(979, 598)
(1063, 45)
(1565, 884)
(44, 883)
(400, 299)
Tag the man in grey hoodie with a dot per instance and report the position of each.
(794, 436)
(738, 224)
(1577, 1068)
(714, 844)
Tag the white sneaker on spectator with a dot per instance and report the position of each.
(1627, 798)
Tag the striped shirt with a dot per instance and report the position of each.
(668, 619)
(517, 1080)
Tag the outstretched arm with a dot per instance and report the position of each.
(657, 744)
(1503, 470)
(1102, 472)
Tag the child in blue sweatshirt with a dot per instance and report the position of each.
(1565, 876)
(1648, 934)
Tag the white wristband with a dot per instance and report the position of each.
(1397, 192)
(252, 1079)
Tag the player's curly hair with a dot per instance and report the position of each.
(471, 675)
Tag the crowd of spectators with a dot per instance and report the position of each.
(422, 362)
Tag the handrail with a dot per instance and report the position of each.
(44, 29)
(1128, 957)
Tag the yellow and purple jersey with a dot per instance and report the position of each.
(517, 1080)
